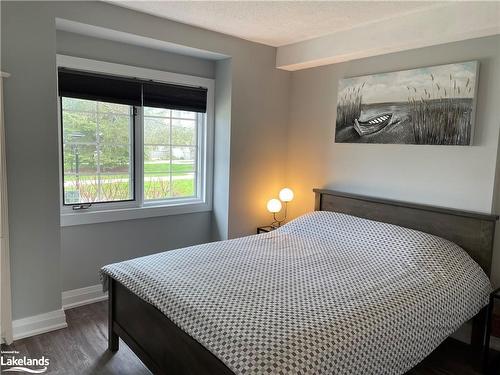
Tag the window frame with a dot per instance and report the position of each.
(133, 162)
(138, 208)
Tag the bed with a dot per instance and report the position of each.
(362, 285)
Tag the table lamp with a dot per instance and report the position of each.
(274, 206)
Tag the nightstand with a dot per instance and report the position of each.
(265, 229)
(495, 295)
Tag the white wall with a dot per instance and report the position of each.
(449, 176)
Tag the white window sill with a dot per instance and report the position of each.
(103, 216)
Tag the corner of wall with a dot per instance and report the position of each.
(222, 149)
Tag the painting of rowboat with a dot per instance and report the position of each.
(432, 106)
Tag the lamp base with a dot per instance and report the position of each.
(277, 223)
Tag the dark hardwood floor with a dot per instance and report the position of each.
(81, 349)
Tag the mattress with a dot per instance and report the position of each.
(327, 293)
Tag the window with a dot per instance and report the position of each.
(170, 153)
(132, 147)
(98, 158)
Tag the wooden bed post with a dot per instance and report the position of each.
(477, 338)
(317, 201)
(113, 340)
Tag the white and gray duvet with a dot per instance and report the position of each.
(325, 294)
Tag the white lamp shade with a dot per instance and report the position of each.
(274, 205)
(286, 195)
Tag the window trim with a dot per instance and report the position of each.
(138, 208)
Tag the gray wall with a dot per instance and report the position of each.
(259, 106)
(106, 50)
(220, 224)
(28, 46)
(86, 248)
(253, 114)
(450, 176)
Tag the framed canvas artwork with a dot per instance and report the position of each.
(431, 106)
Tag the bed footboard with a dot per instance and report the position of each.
(162, 346)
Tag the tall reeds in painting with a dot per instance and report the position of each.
(349, 106)
(432, 106)
(442, 114)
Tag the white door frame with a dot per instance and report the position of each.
(5, 300)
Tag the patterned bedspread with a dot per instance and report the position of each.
(327, 293)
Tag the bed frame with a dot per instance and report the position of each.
(165, 349)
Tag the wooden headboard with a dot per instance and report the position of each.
(472, 231)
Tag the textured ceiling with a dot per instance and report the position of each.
(277, 23)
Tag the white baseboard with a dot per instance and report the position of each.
(83, 296)
(53, 320)
(37, 324)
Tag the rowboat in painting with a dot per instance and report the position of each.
(373, 124)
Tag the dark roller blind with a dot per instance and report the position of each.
(183, 98)
(81, 85)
